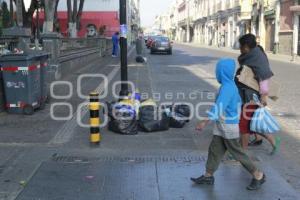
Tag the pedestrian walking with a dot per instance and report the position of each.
(115, 41)
(225, 115)
(253, 56)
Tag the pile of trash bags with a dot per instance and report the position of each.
(131, 115)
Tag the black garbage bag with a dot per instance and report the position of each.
(122, 121)
(178, 115)
(150, 120)
(183, 109)
(177, 121)
(140, 59)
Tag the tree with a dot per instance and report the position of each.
(11, 12)
(74, 16)
(5, 15)
(50, 14)
(24, 18)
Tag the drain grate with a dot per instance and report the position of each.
(136, 159)
(75, 159)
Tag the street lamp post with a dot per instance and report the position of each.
(123, 46)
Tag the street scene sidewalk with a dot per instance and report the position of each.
(60, 164)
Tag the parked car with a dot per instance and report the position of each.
(161, 44)
(150, 41)
(146, 39)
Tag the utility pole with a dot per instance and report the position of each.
(123, 45)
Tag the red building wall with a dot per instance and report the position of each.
(108, 18)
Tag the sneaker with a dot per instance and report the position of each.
(114, 56)
(277, 145)
(256, 184)
(255, 143)
(204, 180)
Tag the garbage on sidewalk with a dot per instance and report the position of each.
(179, 115)
(141, 59)
(130, 115)
(123, 117)
(151, 118)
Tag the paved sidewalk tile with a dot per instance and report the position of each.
(142, 180)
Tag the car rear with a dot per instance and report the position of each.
(161, 44)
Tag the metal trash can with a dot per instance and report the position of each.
(22, 82)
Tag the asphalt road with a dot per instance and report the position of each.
(146, 166)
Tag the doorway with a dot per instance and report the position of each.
(270, 31)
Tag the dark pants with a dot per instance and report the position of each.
(115, 49)
(218, 148)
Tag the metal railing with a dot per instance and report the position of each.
(79, 43)
(72, 48)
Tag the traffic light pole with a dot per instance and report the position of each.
(123, 45)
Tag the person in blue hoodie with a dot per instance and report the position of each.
(225, 114)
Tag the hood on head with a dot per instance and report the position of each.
(225, 70)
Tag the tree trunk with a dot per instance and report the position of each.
(74, 14)
(11, 12)
(19, 5)
(55, 12)
(79, 14)
(49, 15)
(69, 6)
(73, 30)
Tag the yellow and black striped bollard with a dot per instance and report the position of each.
(95, 136)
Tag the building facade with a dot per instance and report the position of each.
(222, 22)
(104, 13)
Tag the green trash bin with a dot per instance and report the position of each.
(22, 82)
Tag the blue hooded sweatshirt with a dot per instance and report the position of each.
(228, 103)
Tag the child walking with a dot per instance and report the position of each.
(225, 114)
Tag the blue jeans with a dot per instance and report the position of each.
(115, 49)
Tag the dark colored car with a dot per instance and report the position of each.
(150, 41)
(161, 44)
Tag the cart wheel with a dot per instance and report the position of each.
(28, 110)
